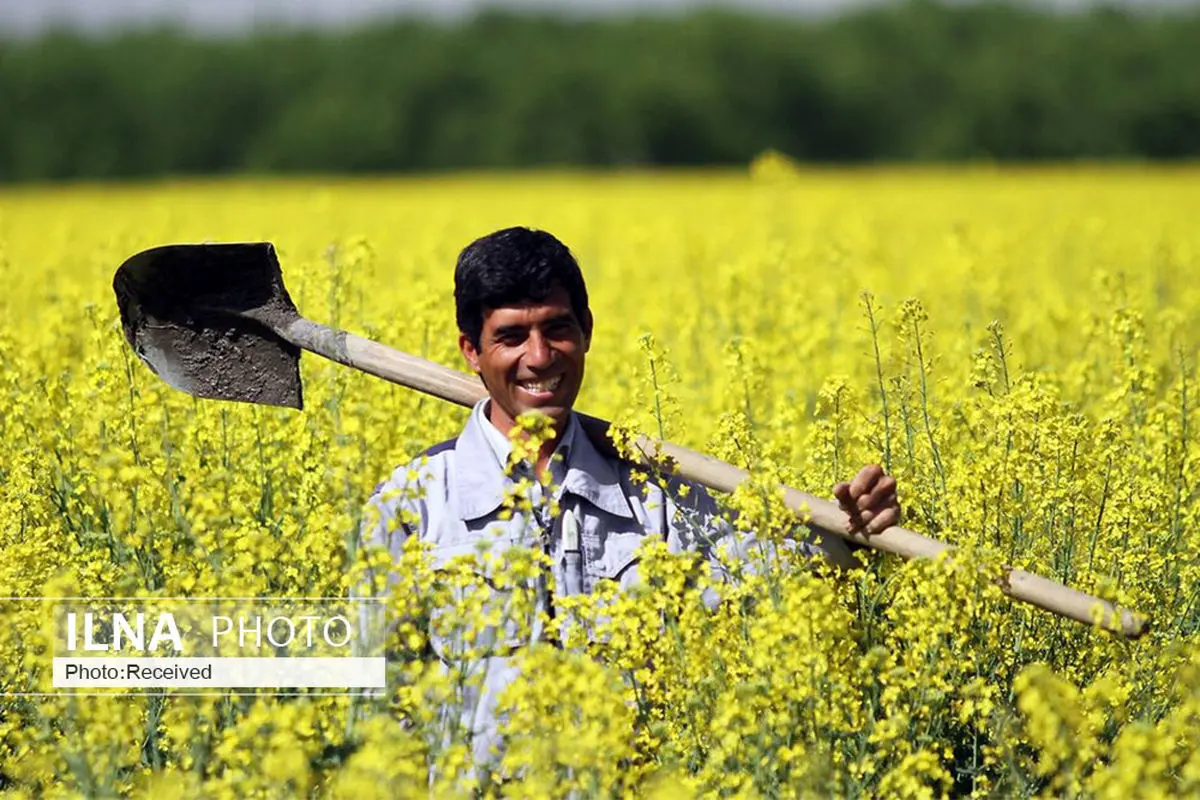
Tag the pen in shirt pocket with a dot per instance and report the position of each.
(572, 555)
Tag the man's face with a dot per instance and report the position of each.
(530, 357)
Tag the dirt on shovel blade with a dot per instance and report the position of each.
(182, 308)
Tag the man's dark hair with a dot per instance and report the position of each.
(512, 266)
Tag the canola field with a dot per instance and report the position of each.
(1019, 348)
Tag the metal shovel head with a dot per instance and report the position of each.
(201, 317)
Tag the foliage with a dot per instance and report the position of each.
(918, 81)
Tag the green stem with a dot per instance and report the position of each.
(883, 399)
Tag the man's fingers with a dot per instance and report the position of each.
(873, 522)
(869, 500)
(842, 492)
(876, 498)
(865, 480)
(885, 519)
(860, 521)
(881, 515)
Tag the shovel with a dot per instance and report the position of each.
(215, 321)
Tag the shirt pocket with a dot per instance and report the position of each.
(476, 621)
(619, 558)
(487, 543)
(445, 554)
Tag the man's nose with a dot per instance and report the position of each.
(538, 354)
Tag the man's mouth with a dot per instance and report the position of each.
(544, 386)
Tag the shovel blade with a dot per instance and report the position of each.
(201, 316)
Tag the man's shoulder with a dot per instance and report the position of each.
(438, 449)
(430, 465)
(662, 486)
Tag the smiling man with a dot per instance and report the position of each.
(525, 328)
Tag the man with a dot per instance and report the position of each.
(525, 329)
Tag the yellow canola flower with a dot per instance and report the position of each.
(1018, 348)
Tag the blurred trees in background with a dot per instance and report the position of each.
(917, 81)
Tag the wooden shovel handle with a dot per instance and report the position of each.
(825, 516)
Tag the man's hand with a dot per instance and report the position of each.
(870, 500)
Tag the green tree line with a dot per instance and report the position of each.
(918, 81)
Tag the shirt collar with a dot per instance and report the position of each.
(482, 451)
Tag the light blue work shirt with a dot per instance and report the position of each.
(457, 503)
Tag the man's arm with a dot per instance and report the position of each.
(396, 511)
(695, 520)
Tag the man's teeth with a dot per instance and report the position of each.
(542, 386)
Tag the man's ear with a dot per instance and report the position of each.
(587, 329)
(469, 352)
